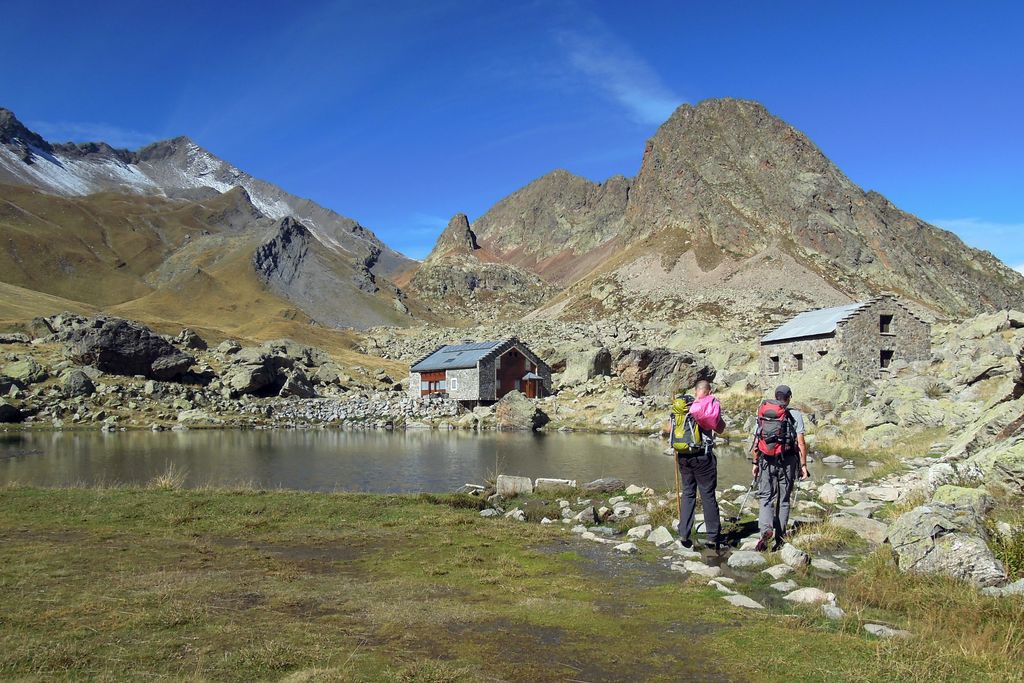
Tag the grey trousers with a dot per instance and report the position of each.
(775, 489)
(700, 472)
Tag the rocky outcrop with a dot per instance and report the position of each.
(122, 347)
(942, 538)
(661, 371)
(458, 237)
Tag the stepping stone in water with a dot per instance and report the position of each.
(742, 601)
(702, 569)
(746, 559)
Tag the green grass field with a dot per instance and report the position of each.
(214, 585)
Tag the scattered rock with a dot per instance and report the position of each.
(628, 548)
(604, 485)
(778, 571)
(547, 484)
(190, 340)
(827, 566)
(25, 371)
(660, 536)
(809, 596)
(515, 411)
(9, 412)
(882, 631)
(794, 557)
(784, 586)
(77, 383)
(832, 612)
(639, 531)
(742, 601)
(508, 486)
(721, 588)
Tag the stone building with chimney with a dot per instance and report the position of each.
(865, 338)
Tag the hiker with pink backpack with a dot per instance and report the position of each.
(779, 453)
(693, 424)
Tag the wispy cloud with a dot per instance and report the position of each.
(78, 131)
(611, 66)
(1002, 239)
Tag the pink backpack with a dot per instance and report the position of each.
(707, 411)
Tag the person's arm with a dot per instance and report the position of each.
(801, 443)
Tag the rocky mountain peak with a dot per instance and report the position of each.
(458, 237)
(14, 133)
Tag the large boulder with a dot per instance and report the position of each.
(309, 356)
(584, 364)
(515, 411)
(940, 538)
(77, 383)
(9, 412)
(25, 371)
(661, 371)
(122, 347)
(249, 379)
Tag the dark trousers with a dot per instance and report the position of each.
(699, 472)
(775, 484)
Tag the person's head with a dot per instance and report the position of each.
(783, 393)
(702, 388)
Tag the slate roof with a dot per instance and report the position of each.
(814, 323)
(454, 356)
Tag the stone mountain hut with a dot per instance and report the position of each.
(481, 372)
(866, 338)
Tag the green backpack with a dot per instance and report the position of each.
(685, 436)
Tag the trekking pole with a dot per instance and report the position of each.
(679, 494)
(743, 503)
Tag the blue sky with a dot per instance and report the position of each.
(404, 114)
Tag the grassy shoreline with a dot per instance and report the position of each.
(212, 584)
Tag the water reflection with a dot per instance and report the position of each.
(329, 460)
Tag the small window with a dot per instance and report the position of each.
(453, 384)
(885, 324)
(424, 386)
(798, 358)
(885, 360)
(774, 364)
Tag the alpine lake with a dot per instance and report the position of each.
(359, 461)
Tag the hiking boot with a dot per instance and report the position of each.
(777, 546)
(762, 543)
(687, 543)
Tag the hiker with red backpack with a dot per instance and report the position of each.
(779, 453)
(694, 422)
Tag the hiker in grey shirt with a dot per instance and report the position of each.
(779, 428)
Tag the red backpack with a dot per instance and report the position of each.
(776, 429)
